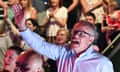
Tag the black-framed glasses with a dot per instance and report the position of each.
(81, 33)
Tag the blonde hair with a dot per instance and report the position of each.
(111, 3)
(66, 31)
(63, 29)
(29, 5)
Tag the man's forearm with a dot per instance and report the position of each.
(40, 45)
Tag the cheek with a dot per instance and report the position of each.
(85, 43)
(65, 38)
(29, 26)
(32, 28)
(23, 5)
(26, 4)
(13, 62)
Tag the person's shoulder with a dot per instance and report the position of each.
(102, 58)
(63, 7)
(33, 9)
(49, 9)
(63, 10)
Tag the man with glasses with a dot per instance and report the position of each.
(78, 56)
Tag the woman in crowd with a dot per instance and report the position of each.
(33, 25)
(56, 18)
(29, 11)
(62, 37)
(111, 24)
(19, 10)
(10, 58)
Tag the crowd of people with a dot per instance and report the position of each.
(57, 35)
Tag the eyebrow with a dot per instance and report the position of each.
(87, 33)
(82, 31)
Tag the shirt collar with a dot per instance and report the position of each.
(87, 53)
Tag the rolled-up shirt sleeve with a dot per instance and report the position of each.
(41, 46)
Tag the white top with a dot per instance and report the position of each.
(53, 26)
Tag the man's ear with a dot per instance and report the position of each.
(92, 39)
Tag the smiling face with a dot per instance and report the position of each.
(10, 60)
(61, 37)
(25, 3)
(90, 19)
(81, 38)
(30, 25)
(54, 3)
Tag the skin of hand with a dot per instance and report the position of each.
(51, 14)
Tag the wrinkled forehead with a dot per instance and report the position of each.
(81, 27)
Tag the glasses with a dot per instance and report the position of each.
(81, 33)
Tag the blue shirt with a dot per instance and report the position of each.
(89, 61)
